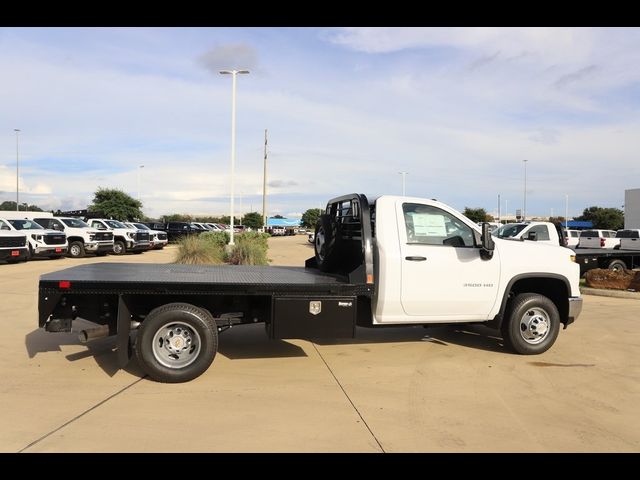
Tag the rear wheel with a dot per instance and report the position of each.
(617, 265)
(76, 249)
(532, 324)
(176, 342)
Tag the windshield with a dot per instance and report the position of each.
(74, 223)
(114, 224)
(25, 225)
(509, 230)
(141, 226)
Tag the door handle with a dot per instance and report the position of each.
(415, 259)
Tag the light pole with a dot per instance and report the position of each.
(233, 74)
(140, 167)
(404, 174)
(524, 207)
(17, 130)
(566, 211)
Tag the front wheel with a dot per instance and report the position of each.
(532, 324)
(176, 342)
(119, 247)
(76, 250)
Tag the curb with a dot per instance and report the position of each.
(601, 292)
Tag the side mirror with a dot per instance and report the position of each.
(488, 245)
(532, 236)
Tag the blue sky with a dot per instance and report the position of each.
(346, 109)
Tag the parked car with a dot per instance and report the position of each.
(157, 238)
(177, 230)
(41, 242)
(571, 238)
(81, 237)
(541, 232)
(125, 239)
(13, 245)
(629, 239)
(598, 239)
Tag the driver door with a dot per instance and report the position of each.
(443, 276)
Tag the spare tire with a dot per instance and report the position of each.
(325, 243)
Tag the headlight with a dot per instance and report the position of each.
(130, 235)
(92, 237)
(36, 237)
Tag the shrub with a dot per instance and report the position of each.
(220, 239)
(250, 249)
(199, 250)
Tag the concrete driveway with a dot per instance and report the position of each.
(394, 390)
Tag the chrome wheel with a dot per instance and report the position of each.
(176, 345)
(74, 250)
(535, 324)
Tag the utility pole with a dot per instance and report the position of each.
(17, 130)
(524, 207)
(404, 174)
(264, 184)
(498, 208)
(566, 211)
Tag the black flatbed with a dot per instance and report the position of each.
(171, 278)
(589, 258)
(605, 252)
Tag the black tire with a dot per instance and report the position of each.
(76, 249)
(526, 315)
(176, 315)
(119, 247)
(617, 265)
(325, 244)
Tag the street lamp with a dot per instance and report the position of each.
(140, 167)
(17, 130)
(404, 174)
(233, 74)
(524, 207)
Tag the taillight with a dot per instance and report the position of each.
(602, 242)
(64, 284)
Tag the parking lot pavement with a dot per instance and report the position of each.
(394, 390)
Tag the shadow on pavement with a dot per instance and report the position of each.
(472, 336)
(103, 350)
(251, 341)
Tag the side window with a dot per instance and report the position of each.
(98, 225)
(433, 226)
(56, 225)
(4, 226)
(541, 231)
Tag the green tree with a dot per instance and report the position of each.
(9, 205)
(253, 220)
(557, 220)
(310, 217)
(114, 203)
(603, 218)
(476, 214)
(176, 217)
(277, 216)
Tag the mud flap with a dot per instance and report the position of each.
(124, 329)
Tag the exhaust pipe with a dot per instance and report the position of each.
(93, 333)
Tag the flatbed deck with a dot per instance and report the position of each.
(172, 278)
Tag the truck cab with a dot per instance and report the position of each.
(125, 239)
(541, 232)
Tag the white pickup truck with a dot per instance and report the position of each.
(13, 245)
(541, 232)
(42, 242)
(82, 238)
(125, 239)
(398, 261)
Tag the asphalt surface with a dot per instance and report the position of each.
(446, 389)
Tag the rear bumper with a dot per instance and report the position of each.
(575, 307)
